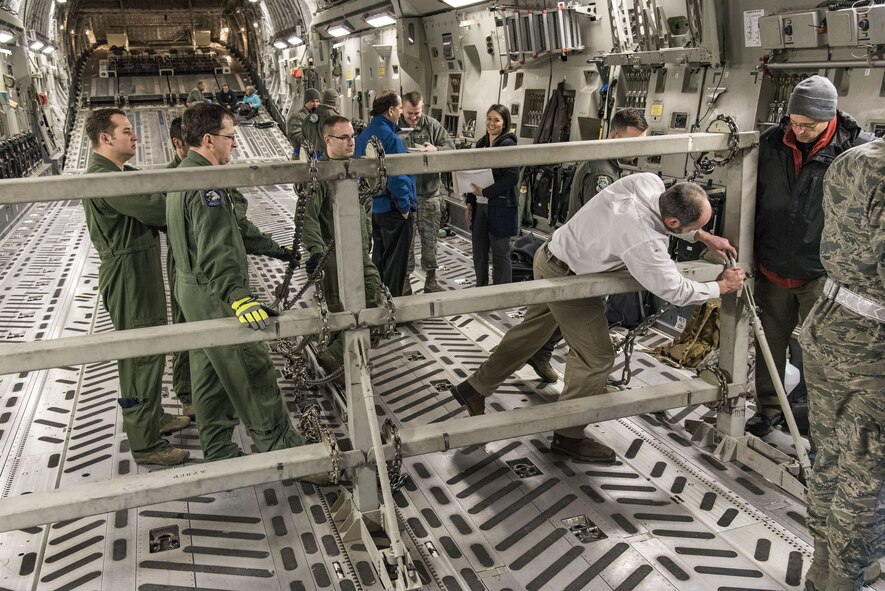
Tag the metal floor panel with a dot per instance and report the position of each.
(506, 515)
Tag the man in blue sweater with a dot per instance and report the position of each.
(393, 210)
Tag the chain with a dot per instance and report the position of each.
(629, 342)
(324, 336)
(723, 380)
(394, 468)
(390, 326)
(304, 195)
(314, 431)
(367, 191)
(706, 165)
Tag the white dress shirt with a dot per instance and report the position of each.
(621, 227)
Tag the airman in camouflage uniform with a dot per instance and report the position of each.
(844, 344)
(427, 135)
(319, 230)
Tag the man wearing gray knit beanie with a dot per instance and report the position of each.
(793, 157)
(296, 118)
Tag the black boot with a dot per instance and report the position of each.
(584, 449)
(467, 396)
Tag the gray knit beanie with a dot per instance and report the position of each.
(815, 98)
(330, 97)
(311, 94)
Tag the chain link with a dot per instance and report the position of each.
(703, 164)
(629, 342)
(324, 337)
(314, 431)
(723, 380)
(395, 467)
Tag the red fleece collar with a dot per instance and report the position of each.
(822, 142)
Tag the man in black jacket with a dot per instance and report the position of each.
(793, 157)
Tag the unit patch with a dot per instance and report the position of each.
(602, 182)
(212, 197)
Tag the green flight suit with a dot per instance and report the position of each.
(318, 230)
(211, 272)
(130, 280)
(255, 241)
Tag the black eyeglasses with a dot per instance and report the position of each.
(805, 126)
(344, 138)
(232, 138)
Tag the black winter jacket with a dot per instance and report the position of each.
(503, 200)
(789, 208)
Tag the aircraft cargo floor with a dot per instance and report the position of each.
(506, 515)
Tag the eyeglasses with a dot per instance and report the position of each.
(805, 126)
(232, 138)
(344, 138)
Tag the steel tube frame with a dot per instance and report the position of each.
(88, 186)
(186, 481)
(33, 355)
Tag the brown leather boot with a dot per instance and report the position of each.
(467, 396)
(585, 449)
(171, 423)
(542, 367)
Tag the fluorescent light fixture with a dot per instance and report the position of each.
(338, 45)
(380, 20)
(280, 44)
(466, 23)
(339, 30)
(295, 40)
(62, 1)
(36, 45)
(4, 51)
(6, 36)
(462, 3)
(48, 49)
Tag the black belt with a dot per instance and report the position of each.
(551, 258)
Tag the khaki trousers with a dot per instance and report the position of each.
(585, 328)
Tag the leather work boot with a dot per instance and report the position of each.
(187, 409)
(467, 396)
(585, 449)
(407, 285)
(430, 283)
(759, 425)
(168, 456)
(172, 423)
(542, 367)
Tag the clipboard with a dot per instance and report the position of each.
(464, 179)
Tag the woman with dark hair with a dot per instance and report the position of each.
(493, 211)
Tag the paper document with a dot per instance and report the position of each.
(464, 179)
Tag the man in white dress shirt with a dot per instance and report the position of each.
(627, 225)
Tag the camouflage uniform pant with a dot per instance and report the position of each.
(847, 415)
(429, 215)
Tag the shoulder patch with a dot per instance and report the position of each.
(212, 197)
(602, 181)
(313, 118)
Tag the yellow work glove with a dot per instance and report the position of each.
(252, 313)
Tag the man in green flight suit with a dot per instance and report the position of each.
(319, 229)
(125, 233)
(255, 241)
(212, 281)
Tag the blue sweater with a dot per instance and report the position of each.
(401, 193)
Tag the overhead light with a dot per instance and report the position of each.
(6, 36)
(338, 45)
(295, 40)
(36, 45)
(383, 19)
(339, 30)
(48, 49)
(255, 25)
(280, 44)
(62, 1)
(461, 3)
(465, 24)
